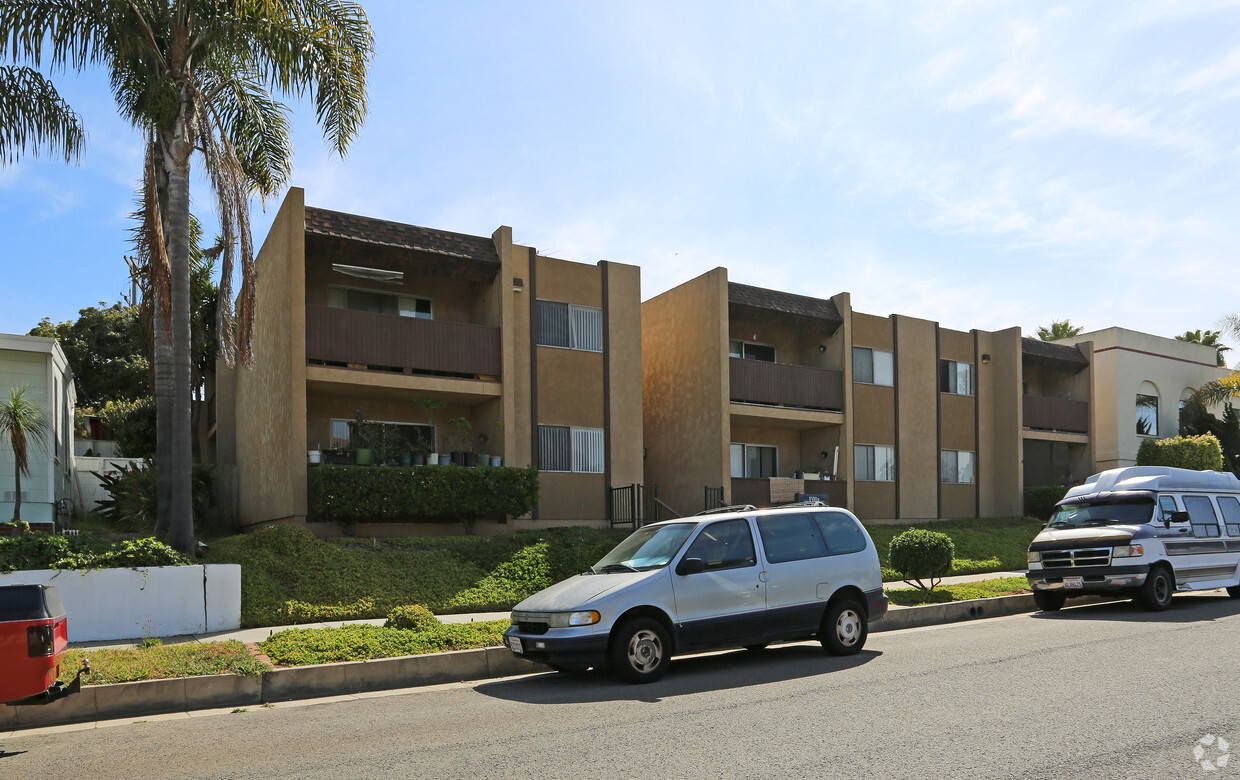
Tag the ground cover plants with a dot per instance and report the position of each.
(154, 661)
(1005, 586)
(363, 642)
(86, 551)
(981, 545)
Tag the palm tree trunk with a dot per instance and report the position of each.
(17, 496)
(164, 391)
(180, 466)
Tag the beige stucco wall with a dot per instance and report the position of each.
(271, 396)
(1123, 361)
(624, 367)
(685, 381)
(999, 450)
(917, 456)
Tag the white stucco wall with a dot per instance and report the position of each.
(1124, 362)
(90, 490)
(136, 603)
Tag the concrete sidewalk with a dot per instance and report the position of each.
(259, 634)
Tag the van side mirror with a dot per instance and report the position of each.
(1179, 517)
(691, 566)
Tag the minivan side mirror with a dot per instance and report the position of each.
(691, 566)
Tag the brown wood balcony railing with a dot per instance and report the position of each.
(783, 384)
(364, 338)
(1056, 414)
(758, 491)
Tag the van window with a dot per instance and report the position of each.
(724, 545)
(1231, 514)
(1201, 515)
(790, 538)
(841, 533)
(1167, 505)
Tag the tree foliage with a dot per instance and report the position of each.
(1209, 338)
(1196, 420)
(107, 353)
(1059, 329)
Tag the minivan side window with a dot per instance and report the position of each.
(790, 538)
(724, 545)
(1167, 505)
(841, 533)
(1231, 514)
(1201, 515)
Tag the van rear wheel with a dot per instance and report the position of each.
(1155, 594)
(844, 628)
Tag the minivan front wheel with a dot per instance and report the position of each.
(640, 650)
(844, 628)
(1155, 594)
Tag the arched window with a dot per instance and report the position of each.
(1147, 410)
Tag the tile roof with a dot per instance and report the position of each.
(324, 222)
(787, 303)
(1059, 353)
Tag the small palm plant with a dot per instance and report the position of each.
(24, 423)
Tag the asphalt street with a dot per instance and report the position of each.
(1095, 691)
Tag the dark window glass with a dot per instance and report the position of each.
(863, 365)
(553, 324)
(1201, 515)
(790, 538)
(764, 352)
(22, 603)
(725, 545)
(1231, 514)
(840, 533)
(1166, 505)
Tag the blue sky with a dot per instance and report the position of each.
(976, 163)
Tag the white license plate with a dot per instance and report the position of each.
(514, 643)
(1073, 582)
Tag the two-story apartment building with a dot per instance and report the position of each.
(413, 327)
(754, 395)
(39, 365)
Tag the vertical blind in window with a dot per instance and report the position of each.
(873, 366)
(955, 377)
(569, 325)
(874, 463)
(565, 448)
(956, 467)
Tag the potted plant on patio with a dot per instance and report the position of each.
(430, 406)
(362, 437)
(462, 436)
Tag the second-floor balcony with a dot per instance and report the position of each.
(1055, 414)
(388, 341)
(782, 384)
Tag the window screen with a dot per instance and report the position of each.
(566, 448)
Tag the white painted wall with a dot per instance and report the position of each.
(89, 489)
(136, 603)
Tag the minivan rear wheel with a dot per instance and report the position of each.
(640, 650)
(844, 628)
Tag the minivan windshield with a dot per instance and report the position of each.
(647, 548)
(1084, 515)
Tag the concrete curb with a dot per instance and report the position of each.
(153, 697)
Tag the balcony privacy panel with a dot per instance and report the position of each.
(345, 336)
(781, 384)
(1056, 414)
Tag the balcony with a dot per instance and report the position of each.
(406, 343)
(1056, 414)
(771, 492)
(782, 384)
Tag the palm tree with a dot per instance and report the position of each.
(1209, 338)
(1059, 329)
(24, 423)
(198, 76)
(1227, 388)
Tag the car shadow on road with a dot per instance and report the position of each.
(1185, 608)
(686, 675)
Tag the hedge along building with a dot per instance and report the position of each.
(753, 395)
(417, 327)
(39, 365)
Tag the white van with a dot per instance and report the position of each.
(1144, 531)
(730, 578)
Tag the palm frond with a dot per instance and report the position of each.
(32, 113)
(256, 124)
(23, 422)
(1219, 391)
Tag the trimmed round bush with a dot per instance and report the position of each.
(1042, 501)
(412, 617)
(918, 553)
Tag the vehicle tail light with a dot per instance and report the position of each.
(40, 640)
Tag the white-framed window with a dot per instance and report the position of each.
(874, 463)
(873, 366)
(1147, 415)
(955, 377)
(570, 326)
(751, 350)
(956, 467)
(379, 302)
(756, 461)
(569, 448)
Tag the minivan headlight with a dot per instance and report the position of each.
(565, 619)
(1128, 551)
(1034, 556)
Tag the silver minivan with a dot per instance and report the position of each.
(740, 577)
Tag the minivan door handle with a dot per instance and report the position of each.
(762, 576)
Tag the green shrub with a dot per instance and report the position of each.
(527, 573)
(133, 425)
(132, 496)
(1042, 501)
(351, 494)
(921, 554)
(299, 646)
(1200, 453)
(44, 551)
(412, 617)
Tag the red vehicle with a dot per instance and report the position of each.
(34, 634)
